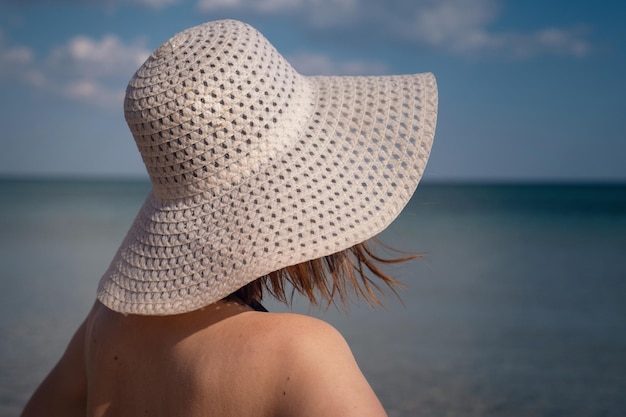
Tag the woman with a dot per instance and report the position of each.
(263, 181)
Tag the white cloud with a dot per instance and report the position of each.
(92, 71)
(102, 4)
(278, 6)
(259, 5)
(319, 13)
(460, 27)
(319, 64)
(18, 56)
(108, 56)
(568, 41)
(455, 24)
(13, 60)
(155, 4)
(91, 91)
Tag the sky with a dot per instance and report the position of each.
(529, 90)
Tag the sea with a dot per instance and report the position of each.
(516, 307)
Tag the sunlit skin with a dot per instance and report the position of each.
(223, 360)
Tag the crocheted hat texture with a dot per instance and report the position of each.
(255, 167)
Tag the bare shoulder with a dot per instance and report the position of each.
(285, 338)
(296, 330)
(290, 338)
(314, 370)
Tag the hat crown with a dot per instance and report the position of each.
(212, 104)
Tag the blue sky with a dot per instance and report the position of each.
(529, 90)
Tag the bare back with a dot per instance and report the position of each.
(187, 365)
(224, 360)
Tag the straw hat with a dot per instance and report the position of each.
(255, 167)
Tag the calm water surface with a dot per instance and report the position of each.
(518, 307)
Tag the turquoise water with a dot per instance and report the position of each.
(518, 307)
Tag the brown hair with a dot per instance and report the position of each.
(330, 277)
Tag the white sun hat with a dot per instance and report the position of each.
(255, 167)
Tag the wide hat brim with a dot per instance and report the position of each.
(342, 176)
